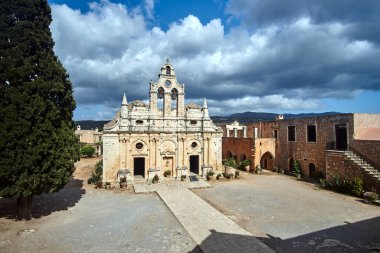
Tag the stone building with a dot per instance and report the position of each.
(91, 138)
(344, 145)
(147, 139)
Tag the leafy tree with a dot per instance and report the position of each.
(38, 146)
(87, 151)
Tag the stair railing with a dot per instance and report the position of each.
(364, 157)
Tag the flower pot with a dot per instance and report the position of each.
(298, 175)
(247, 168)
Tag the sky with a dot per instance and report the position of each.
(280, 56)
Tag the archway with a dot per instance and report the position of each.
(312, 170)
(243, 157)
(266, 161)
(291, 164)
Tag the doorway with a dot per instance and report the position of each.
(139, 166)
(291, 164)
(312, 170)
(341, 136)
(194, 164)
(266, 161)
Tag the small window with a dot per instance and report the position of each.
(291, 133)
(193, 122)
(275, 134)
(168, 72)
(139, 145)
(168, 83)
(194, 144)
(311, 133)
(139, 122)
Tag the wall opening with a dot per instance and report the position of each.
(341, 136)
(139, 166)
(160, 98)
(194, 164)
(266, 161)
(312, 170)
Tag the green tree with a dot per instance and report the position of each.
(37, 143)
(87, 151)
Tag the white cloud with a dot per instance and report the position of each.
(281, 66)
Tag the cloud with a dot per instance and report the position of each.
(289, 61)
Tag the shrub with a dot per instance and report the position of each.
(297, 167)
(229, 175)
(218, 176)
(237, 174)
(246, 163)
(322, 181)
(230, 162)
(275, 169)
(357, 186)
(210, 173)
(371, 196)
(167, 173)
(87, 151)
(96, 176)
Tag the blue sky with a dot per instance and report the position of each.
(284, 56)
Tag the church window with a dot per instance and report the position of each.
(193, 122)
(168, 70)
(194, 144)
(139, 145)
(139, 122)
(160, 98)
(168, 83)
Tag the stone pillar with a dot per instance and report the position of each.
(153, 101)
(181, 104)
(228, 132)
(235, 132)
(183, 152)
(245, 132)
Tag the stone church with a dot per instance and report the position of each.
(147, 139)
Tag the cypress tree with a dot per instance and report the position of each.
(38, 147)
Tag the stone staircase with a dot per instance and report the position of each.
(365, 166)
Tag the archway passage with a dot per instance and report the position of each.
(291, 165)
(139, 166)
(194, 164)
(312, 170)
(266, 161)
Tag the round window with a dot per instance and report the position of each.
(168, 83)
(194, 144)
(139, 145)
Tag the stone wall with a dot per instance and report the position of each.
(337, 164)
(238, 147)
(302, 150)
(370, 149)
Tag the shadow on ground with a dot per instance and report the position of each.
(362, 236)
(47, 203)
(225, 242)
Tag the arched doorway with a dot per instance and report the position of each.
(312, 170)
(243, 157)
(266, 161)
(291, 164)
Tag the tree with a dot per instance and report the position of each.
(87, 151)
(38, 146)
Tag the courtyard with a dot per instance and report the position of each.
(286, 214)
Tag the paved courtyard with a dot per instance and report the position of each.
(294, 216)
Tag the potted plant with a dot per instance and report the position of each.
(218, 176)
(282, 171)
(246, 164)
(297, 169)
(108, 185)
(123, 182)
(370, 197)
(155, 179)
(237, 174)
(167, 173)
(183, 178)
(210, 175)
(258, 169)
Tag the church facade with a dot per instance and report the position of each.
(143, 140)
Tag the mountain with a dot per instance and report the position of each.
(245, 117)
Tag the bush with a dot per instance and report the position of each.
(237, 174)
(371, 196)
(97, 175)
(229, 175)
(297, 167)
(357, 186)
(230, 162)
(218, 176)
(87, 151)
(275, 169)
(167, 173)
(210, 173)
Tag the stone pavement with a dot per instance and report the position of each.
(169, 185)
(209, 228)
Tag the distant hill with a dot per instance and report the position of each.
(91, 124)
(245, 117)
